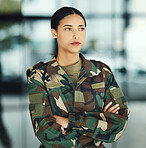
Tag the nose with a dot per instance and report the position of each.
(75, 35)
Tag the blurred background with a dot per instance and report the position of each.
(116, 35)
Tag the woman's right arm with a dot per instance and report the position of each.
(47, 130)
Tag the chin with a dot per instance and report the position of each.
(74, 51)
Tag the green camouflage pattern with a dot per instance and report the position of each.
(51, 92)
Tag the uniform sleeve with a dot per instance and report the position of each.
(103, 126)
(45, 127)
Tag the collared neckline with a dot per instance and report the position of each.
(87, 66)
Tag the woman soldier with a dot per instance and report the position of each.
(74, 102)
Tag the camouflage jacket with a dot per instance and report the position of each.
(51, 92)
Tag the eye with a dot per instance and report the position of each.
(81, 29)
(67, 29)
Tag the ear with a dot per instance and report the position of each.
(54, 33)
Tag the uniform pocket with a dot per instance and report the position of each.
(119, 97)
(36, 105)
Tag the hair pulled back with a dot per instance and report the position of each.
(63, 12)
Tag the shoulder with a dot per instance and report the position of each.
(104, 70)
(40, 66)
(101, 66)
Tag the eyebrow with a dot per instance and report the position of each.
(71, 26)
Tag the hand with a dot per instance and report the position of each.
(113, 109)
(62, 121)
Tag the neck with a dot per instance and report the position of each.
(67, 59)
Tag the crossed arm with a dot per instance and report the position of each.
(93, 124)
(64, 121)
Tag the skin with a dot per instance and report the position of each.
(72, 29)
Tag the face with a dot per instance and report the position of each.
(70, 33)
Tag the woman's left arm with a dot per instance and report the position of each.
(64, 121)
(103, 126)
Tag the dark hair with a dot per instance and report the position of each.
(61, 13)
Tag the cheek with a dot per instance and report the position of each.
(65, 36)
(83, 36)
(63, 40)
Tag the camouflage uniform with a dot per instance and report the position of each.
(51, 92)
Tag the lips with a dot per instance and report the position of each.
(75, 43)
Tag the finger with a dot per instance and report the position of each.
(113, 108)
(107, 106)
(55, 116)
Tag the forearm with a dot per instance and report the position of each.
(99, 126)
